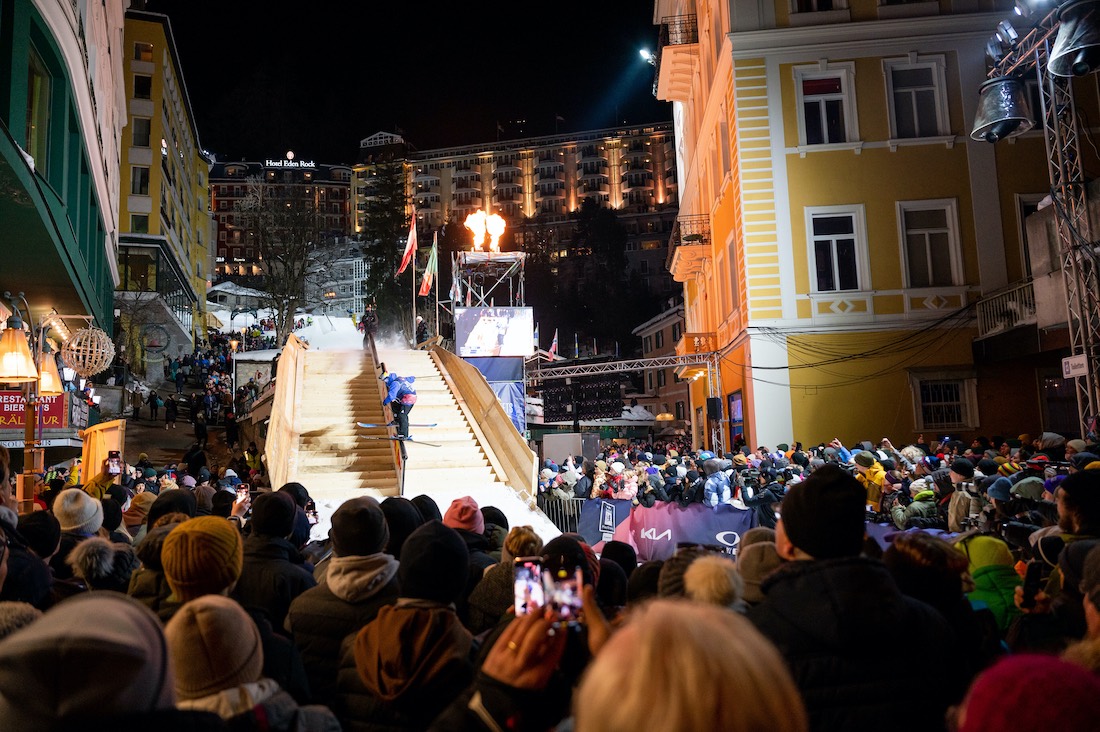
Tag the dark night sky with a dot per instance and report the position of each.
(316, 77)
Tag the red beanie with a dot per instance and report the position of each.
(1031, 692)
(464, 514)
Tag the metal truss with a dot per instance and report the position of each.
(1067, 188)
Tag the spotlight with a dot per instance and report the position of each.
(648, 56)
(1002, 110)
(1007, 34)
(1022, 9)
(1076, 49)
(994, 50)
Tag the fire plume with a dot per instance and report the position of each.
(484, 225)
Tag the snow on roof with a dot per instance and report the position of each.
(232, 288)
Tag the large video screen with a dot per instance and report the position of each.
(495, 331)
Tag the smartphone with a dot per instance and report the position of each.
(530, 594)
(114, 462)
(563, 594)
(311, 513)
(242, 492)
(1033, 580)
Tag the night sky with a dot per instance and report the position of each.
(316, 77)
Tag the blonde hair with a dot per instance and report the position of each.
(717, 673)
(713, 578)
(522, 541)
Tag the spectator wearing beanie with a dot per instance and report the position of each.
(273, 573)
(204, 556)
(495, 591)
(95, 661)
(102, 564)
(148, 585)
(79, 516)
(466, 518)
(965, 501)
(427, 506)
(402, 518)
(496, 529)
(406, 666)
(643, 582)
(622, 554)
(217, 656)
(871, 476)
(360, 579)
(819, 608)
(754, 563)
(133, 518)
(713, 579)
(176, 501)
(991, 566)
(1006, 697)
(112, 521)
(15, 615)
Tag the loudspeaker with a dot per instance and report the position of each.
(714, 408)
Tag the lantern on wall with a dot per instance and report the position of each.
(88, 352)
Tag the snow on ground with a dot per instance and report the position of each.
(328, 332)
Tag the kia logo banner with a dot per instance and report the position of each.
(655, 532)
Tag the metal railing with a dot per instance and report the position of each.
(563, 512)
(688, 231)
(696, 343)
(1006, 310)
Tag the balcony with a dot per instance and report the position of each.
(688, 247)
(677, 56)
(1006, 310)
(692, 343)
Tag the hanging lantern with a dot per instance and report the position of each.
(49, 380)
(16, 362)
(88, 351)
(1002, 110)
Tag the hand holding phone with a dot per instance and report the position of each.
(529, 593)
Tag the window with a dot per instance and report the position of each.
(918, 99)
(139, 181)
(647, 344)
(141, 128)
(944, 400)
(661, 378)
(143, 51)
(659, 339)
(837, 249)
(1025, 206)
(143, 86)
(677, 331)
(139, 223)
(930, 249)
(38, 110)
(826, 100)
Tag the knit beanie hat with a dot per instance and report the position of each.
(427, 507)
(41, 531)
(963, 467)
(495, 516)
(824, 514)
(611, 585)
(78, 512)
(434, 564)
(273, 514)
(622, 554)
(987, 466)
(865, 458)
(465, 515)
(983, 550)
(188, 481)
(566, 553)
(1008, 468)
(1077, 445)
(755, 562)
(402, 518)
(103, 564)
(1003, 696)
(214, 645)
(202, 556)
(359, 528)
(15, 615)
(112, 513)
(171, 502)
(755, 535)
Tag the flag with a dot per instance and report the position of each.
(536, 336)
(456, 291)
(576, 346)
(430, 270)
(410, 247)
(554, 346)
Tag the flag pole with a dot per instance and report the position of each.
(435, 242)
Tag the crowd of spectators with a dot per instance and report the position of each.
(179, 600)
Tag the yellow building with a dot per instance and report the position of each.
(166, 230)
(840, 230)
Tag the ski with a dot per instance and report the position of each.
(398, 439)
(371, 424)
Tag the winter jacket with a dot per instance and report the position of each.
(922, 506)
(272, 575)
(962, 504)
(403, 668)
(716, 490)
(490, 599)
(354, 590)
(823, 616)
(995, 588)
(263, 705)
(480, 560)
(399, 388)
(873, 481)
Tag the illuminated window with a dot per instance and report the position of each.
(826, 101)
(143, 51)
(39, 86)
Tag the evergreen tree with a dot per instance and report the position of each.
(385, 231)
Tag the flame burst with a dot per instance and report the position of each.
(482, 225)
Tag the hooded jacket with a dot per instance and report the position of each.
(403, 668)
(822, 616)
(716, 490)
(399, 388)
(264, 705)
(355, 588)
(923, 505)
(873, 481)
(272, 575)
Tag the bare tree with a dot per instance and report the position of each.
(283, 223)
(135, 314)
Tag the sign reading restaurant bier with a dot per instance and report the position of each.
(51, 411)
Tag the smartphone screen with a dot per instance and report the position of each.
(563, 592)
(530, 595)
(242, 492)
(114, 462)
